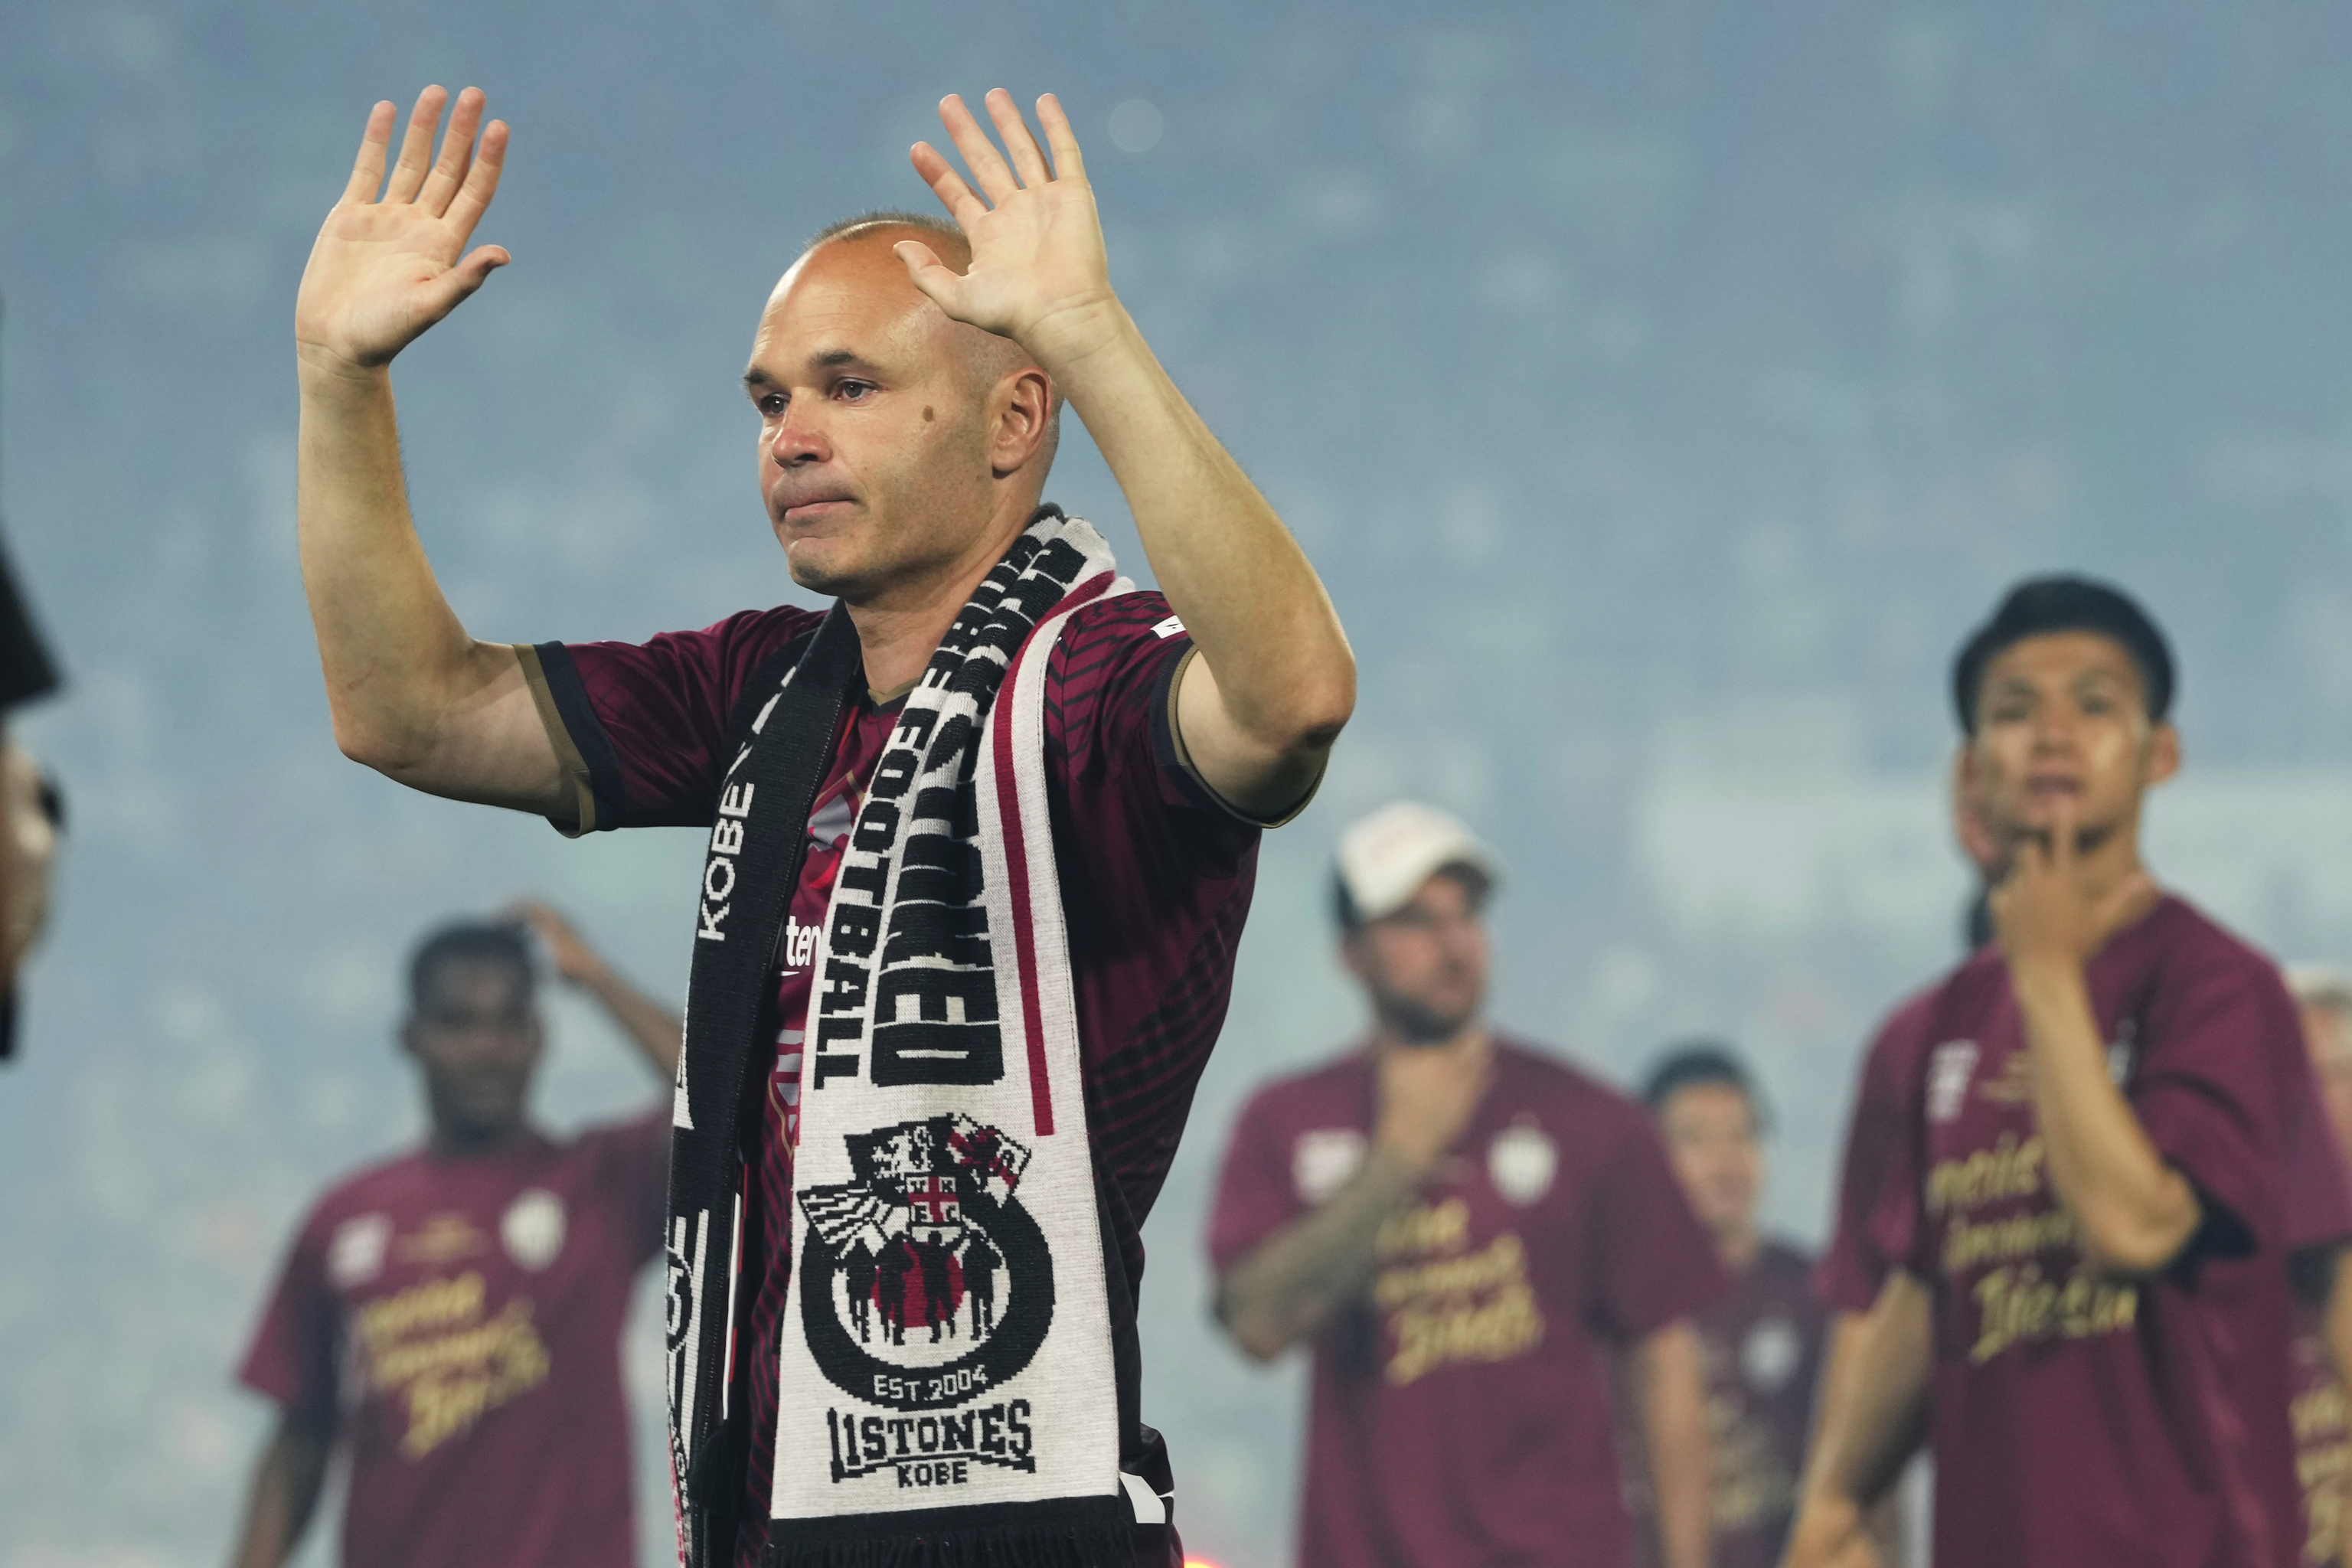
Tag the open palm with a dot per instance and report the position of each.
(1039, 274)
(386, 269)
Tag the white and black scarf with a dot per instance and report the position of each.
(955, 1372)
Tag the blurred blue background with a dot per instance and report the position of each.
(1663, 389)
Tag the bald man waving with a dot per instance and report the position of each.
(981, 834)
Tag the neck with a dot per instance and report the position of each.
(1470, 1040)
(902, 624)
(451, 1139)
(1737, 1246)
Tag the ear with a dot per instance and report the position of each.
(2163, 753)
(1975, 835)
(1020, 419)
(1353, 956)
(408, 1039)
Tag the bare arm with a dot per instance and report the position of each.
(2133, 1212)
(287, 1477)
(1669, 1390)
(1285, 1290)
(654, 1029)
(412, 693)
(1882, 1524)
(1869, 1430)
(1275, 680)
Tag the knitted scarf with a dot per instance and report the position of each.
(948, 1388)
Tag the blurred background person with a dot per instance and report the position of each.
(1466, 1230)
(1763, 1344)
(2323, 1435)
(2094, 1176)
(451, 1319)
(31, 808)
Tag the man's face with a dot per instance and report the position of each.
(874, 452)
(2328, 1036)
(1425, 966)
(2063, 717)
(1711, 1138)
(476, 1036)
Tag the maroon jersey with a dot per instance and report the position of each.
(2079, 1417)
(461, 1318)
(1763, 1344)
(2323, 1443)
(1463, 1413)
(1852, 1270)
(1156, 882)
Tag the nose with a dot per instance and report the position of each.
(798, 440)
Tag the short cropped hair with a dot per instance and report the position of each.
(2042, 605)
(1697, 1062)
(886, 217)
(470, 942)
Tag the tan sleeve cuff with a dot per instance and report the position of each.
(582, 820)
(1184, 760)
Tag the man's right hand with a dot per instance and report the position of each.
(384, 270)
(1428, 1094)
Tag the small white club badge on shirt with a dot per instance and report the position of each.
(1521, 1161)
(1769, 1356)
(355, 1252)
(1322, 1161)
(532, 1228)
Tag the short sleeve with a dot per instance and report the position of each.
(2318, 1188)
(292, 1358)
(1110, 706)
(634, 1174)
(1850, 1273)
(2220, 1044)
(641, 729)
(1255, 1193)
(1652, 1260)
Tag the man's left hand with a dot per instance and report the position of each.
(1039, 274)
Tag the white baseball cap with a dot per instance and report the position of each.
(1386, 857)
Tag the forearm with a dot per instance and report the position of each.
(1231, 570)
(653, 1028)
(2133, 1212)
(399, 667)
(1286, 1289)
(1876, 1400)
(1672, 1400)
(287, 1480)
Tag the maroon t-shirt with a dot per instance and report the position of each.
(1156, 877)
(460, 1317)
(1462, 1413)
(1764, 1344)
(2322, 1441)
(2078, 1418)
(1850, 1273)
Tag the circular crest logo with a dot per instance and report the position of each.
(1521, 1161)
(532, 1228)
(924, 1281)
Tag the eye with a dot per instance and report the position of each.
(771, 405)
(854, 391)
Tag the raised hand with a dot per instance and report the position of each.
(2043, 913)
(574, 960)
(1427, 1096)
(386, 269)
(1039, 274)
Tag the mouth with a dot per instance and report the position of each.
(2049, 788)
(817, 510)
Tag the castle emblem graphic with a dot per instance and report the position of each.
(925, 1282)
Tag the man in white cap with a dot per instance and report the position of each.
(1469, 1232)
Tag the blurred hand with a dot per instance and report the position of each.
(1039, 274)
(1427, 1096)
(383, 271)
(1829, 1534)
(575, 961)
(2043, 915)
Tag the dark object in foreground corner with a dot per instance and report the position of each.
(27, 672)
